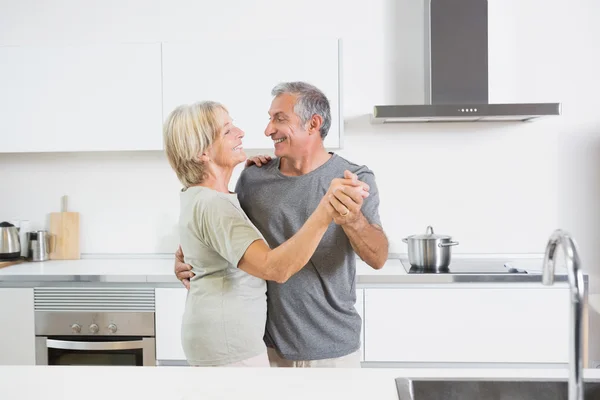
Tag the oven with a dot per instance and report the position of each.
(94, 326)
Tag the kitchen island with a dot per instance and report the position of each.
(170, 383)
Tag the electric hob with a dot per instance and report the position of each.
(467, 266)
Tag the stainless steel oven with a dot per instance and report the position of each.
(94, 326)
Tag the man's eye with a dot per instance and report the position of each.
(227, 132)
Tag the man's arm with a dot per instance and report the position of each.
(368, 240)
(183, 271)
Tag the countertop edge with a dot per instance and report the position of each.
(162, 276)
(362, 281)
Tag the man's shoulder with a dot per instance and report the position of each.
(253, 172)
(252, 176)
(342, 164)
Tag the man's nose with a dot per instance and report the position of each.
(269, 129)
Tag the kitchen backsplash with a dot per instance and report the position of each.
(477, 184)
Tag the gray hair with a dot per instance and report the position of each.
(310, 101)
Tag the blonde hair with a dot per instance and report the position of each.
(187, 132)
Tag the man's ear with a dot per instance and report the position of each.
(314, 125)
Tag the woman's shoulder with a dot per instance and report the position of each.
(213, 202)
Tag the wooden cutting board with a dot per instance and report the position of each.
(9, 263)
(64, 227)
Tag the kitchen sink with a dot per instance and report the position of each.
(464, 389)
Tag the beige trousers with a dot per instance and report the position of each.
(350, 361)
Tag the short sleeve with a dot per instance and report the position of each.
(370, 207)
(226, 229)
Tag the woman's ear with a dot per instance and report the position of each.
(204, 157)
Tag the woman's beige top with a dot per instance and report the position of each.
(226, 309)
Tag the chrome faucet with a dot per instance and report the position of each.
(577, 288)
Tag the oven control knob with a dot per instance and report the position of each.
(94, 328)
(112, 328)
(76, 328)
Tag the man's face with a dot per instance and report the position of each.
(285, 128)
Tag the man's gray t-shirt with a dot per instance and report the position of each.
(225, 310)
(312, 315)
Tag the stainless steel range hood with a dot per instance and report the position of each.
(456, 71)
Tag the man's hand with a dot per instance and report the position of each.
(259, 161)
(347, 203)
(345, 197)
(183, 271)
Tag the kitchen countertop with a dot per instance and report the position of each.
(70, 382)
(158, 271)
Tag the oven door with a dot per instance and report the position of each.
(95, 350)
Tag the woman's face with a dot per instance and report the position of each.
(227, 150)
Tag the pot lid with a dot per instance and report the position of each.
(430, 235)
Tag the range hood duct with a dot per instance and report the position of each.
(456, 71)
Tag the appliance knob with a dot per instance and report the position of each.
(94, 328)
(76, 328)
(112, 328)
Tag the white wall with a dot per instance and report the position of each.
(494, 187)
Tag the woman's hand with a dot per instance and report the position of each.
(259, 161)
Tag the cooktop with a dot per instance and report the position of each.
(467, 266)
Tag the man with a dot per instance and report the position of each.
(311, 319)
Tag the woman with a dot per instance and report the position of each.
(225, 313)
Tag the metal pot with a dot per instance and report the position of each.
(429, 251)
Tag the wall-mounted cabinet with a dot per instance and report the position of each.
(114, 97)
(241, 74)
(80, 98)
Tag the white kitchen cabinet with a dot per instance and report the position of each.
(467, 325)
(240, 74)
(17, 329)
(80, 98)
(170, 305)
(360, 307)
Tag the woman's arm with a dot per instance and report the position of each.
(281, 263)
(285, 260)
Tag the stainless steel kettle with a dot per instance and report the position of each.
(10, 245)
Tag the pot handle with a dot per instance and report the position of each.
(405, 240)
(429, 230)
(447, 244)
